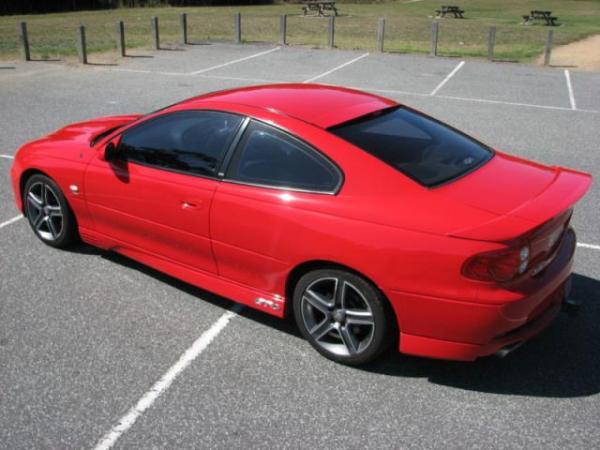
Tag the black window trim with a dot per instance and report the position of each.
(408, 108)
(320, 155)
(227, 151)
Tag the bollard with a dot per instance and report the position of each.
(282, 29)
(121, 38)
(183, 22)
(434, 39)
(330, 31)
(548, 48)
(24, 39)
(81, 49)
(237, 24)
(155, 33)
(491, 43)
(380, 34)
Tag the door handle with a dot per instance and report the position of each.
(190, 205)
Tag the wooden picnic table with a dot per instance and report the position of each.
(319, 7)
(537, 15)
(448, 9)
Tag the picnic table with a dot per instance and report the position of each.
(545, 16)
(458, 13)
(319, 7)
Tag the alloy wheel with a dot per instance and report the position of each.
(44, 211)
(337, 315)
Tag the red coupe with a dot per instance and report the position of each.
(370, 222)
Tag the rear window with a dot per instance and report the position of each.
(422, 148)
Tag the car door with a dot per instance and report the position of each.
(262, 213)
(156, 196)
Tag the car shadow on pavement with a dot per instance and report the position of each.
(564, 361)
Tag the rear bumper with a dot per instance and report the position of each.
(459, 330)
(462, 351)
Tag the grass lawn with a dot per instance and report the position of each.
(408, 26)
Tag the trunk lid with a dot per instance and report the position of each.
(524, 195)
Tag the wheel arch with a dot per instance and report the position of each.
(308, 266)
(26, 175)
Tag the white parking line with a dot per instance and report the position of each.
(341, 66)
(9, 221)
(158, 388)
(251, 80)
(570, 89)
(235, 61)
(476, 100)
(159, 72)
(7, 156)
(592, 246)
(445, 80)
(197, 72)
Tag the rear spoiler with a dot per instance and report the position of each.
(567, 188)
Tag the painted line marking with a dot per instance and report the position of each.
(9, 221)
(592, 246)
(341, 66)
(251, 80)
(477, 100)
(445, 80)
(7, 156)
(158, 388)
(196, 72)
(570, 89)
(159, 72)
(235, 61)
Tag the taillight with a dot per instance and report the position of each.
(500, 265)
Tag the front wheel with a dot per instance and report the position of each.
(48, 212)
(342, 315)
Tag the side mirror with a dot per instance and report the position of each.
(111, 153)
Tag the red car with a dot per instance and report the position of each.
(370, 222)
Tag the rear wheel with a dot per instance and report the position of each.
(48, 213)
(342, 315)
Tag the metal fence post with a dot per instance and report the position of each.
(81, 49)
(282, 29)
(155, 33)
(121, 38)
(331, 31)
(491, 43)
(434, 38)
(548, 49)
(24, 39)
(380, 34)
(183, 23)
(237, 23)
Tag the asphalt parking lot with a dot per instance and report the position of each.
(84, 334)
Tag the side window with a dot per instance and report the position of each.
(270, 157)
(188, 141)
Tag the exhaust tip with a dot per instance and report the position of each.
(571, 306)
(505, 351)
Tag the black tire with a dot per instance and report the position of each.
(346, 340)
(48, 212)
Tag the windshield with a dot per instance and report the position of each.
(424, 149)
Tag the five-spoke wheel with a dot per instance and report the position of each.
(48, 212)
(341, 315)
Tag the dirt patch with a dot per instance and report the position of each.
(583, 54)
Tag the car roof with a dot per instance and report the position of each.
(320, 105)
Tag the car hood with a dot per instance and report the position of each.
(84, 132)
(520, 194)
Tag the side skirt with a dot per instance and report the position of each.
(268, 302)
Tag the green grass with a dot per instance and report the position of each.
(407, 27)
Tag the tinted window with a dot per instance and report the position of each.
(270, 157)
(191, 141)
(422, 148)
